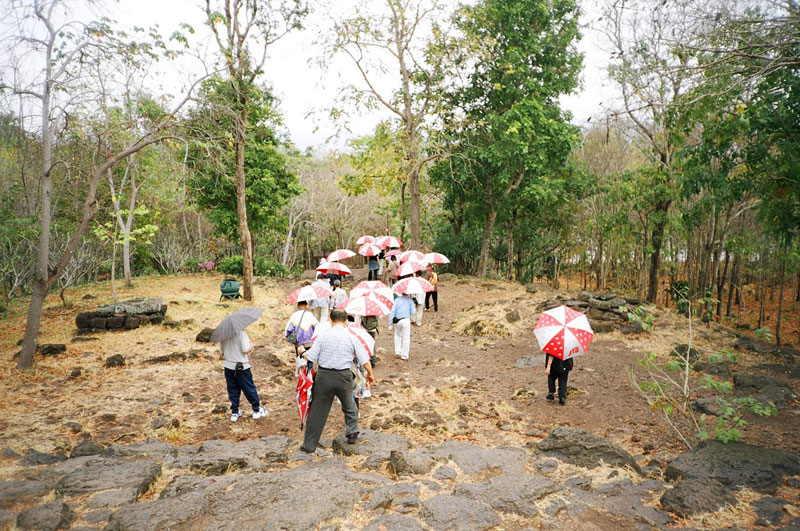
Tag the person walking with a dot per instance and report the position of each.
(390, 273)
(432, 277)
(238, 376)
(419, 304)
(333, 352)
(339, 294)
(557, 369)
(373, 265)
(400, 319)
(321, 307)
(299, 331)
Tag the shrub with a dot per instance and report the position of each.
(206, 266)
(190, 265)
(231, 265)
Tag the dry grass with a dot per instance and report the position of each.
(731, 516)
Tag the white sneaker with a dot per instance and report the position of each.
(262, 412)
(235, 416)
(366, 393)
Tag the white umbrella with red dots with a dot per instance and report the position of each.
(563, 332)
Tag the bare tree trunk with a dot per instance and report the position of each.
(657, 241)
(733, 284)
(491, 216)
(781, 280)
(241, 206)
(288, 244)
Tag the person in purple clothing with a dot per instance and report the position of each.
(299, 330)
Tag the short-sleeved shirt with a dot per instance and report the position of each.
(336, 348)
(234, 349)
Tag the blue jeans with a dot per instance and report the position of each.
(241, 383)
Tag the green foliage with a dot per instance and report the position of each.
(269, 182)
(764, 333)
(262, 267)
(639, 315)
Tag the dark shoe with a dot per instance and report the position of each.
(305, 451)
(352, 438)
(562, 401)
(550, 397)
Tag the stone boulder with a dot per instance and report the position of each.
(721, 370)
(472, 459)
(769, 510)
(516, 493)
(736, 465)
(98, 474)
(221, 457)
(52, 349)
(585, 449)
(384, 496)
(375, 445)
(14, 491)
(763, 388)
(86, 448)
(447, 512)
(683, 350)
(204, 336)
(115, 360)
(403, 463)
(394, 522)
(35, 458)
(696, 495)
(46, 517)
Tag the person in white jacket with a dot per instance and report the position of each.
(339, 294)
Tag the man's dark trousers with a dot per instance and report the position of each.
(432, 295)
(327, 384)
(241, 383)
(562, 384)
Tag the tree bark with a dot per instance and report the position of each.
(241, 206)
(781, 280)
(662, 208)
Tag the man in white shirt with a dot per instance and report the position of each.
(333, 351)
(339, 294)
(238, 377)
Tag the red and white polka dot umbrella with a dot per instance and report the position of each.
(563, 332)
(410, 267)
(412, 285)
(388, 241)
(412, 255)
(374, 288)
(393, 252)
(334, 267)
(435, 258)
(370, 249)
(340, 254)
(365, 239)
(309, 293)
(365, 305)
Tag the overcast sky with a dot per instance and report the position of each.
(305, 91)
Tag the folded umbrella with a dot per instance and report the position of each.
(235, 323)
(305, 383)
(563, 332)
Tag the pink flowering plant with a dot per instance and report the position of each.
(206, 266)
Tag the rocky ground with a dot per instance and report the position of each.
(459, 437)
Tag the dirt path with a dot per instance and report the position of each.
(453, 386)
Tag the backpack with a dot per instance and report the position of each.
(370, 322)
(292, 337)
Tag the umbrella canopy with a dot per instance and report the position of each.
(305, 381)
(365, 239)
(435, 258)
(235, 323)
(366, 305)
(410, 267)
(563, 332)
(388, 241)
(413, 285)
(370, 249)
(309, 293)
(340, 254)
(412, 255)
(334, 267)
(393, 252)
(374, 288)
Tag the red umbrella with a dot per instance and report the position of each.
(334, 267)
(365, 239)
(410, 267)
(374, 288)
(412, 285)
(393, 252)
(309, 293)
(366, 305)
(370, 249)
(388, 241)
(563, 332)
(340, 254)
(412, 255)
(363, 338)
(436, 258)
(305, 381)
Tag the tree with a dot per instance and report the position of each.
(270, 183)
(237, 25)
(404, 36)
(64, 51)
(512, 146)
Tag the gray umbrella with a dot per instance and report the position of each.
(235, 323)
